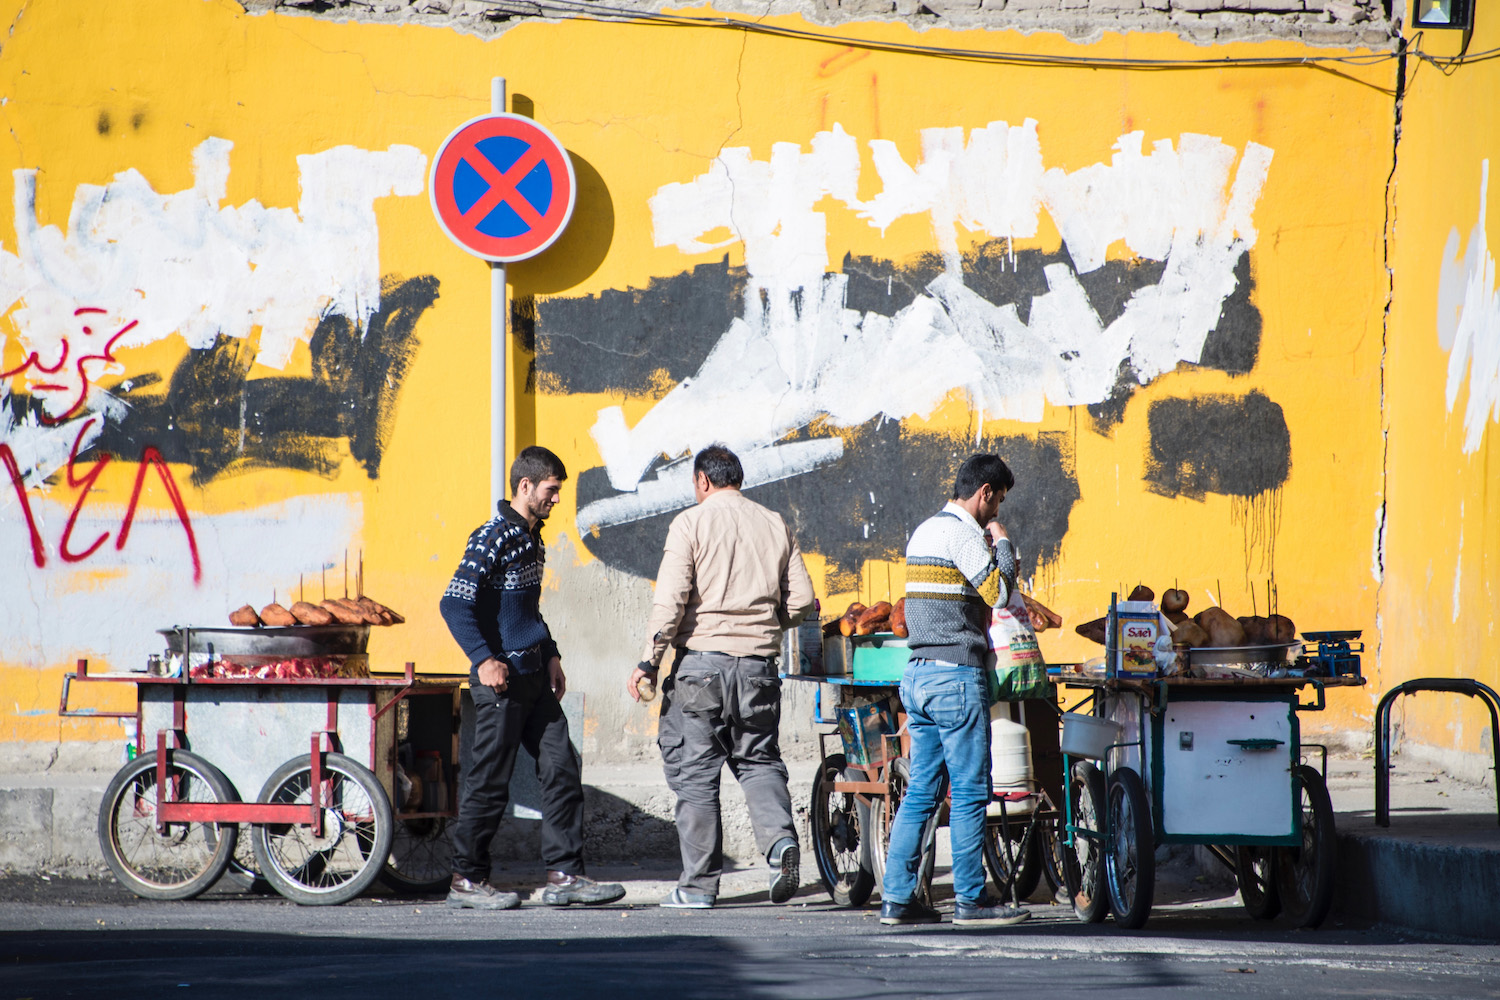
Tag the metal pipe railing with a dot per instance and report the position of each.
(1453, 685)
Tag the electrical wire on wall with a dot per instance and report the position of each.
(572, 9)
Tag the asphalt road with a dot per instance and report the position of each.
(91, 938)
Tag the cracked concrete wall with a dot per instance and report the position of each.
(1328, 23)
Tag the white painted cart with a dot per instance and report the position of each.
(1196, 761)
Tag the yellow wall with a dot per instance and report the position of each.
(647, 107)
(1437, 603)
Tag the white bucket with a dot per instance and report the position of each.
(1087, 735)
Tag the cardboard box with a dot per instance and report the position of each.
(1137, 624)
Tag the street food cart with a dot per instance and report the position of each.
(293, 717)
(1216, 760)
(859, 784)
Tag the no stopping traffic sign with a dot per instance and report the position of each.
(502, 187)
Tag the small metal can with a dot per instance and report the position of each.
(155, 666)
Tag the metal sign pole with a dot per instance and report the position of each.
(499, 307)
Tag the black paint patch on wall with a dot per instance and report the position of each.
(638, 341)
(213, 417)
(865, 505)
(1231, 445)
(621, 340)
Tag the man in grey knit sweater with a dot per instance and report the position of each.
(959, 565)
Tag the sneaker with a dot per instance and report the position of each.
(464, 894)
(784, 858)
(893, 913)
(686, 899)
(563, 889)
(987, 913)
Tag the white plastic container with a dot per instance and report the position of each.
(1087, 735)
(1010, 755)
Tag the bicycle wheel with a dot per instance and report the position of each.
(1130, 850)
(355, 842)
(1304, 874)
(189, 857)
(421, 858)
(1255, 871)
(1083, 866)
(879, 825)
(1019, 857)
(838, 847)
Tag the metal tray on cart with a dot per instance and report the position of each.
(295, 640)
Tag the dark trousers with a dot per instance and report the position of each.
(525, 714)
(715, 709)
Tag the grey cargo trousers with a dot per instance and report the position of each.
(718, 708)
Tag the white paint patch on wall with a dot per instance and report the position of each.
(1468, 323)
(57, 614)
(185, 263)
(672, 489)
(797, 353)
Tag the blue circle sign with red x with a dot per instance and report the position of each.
(502, 187)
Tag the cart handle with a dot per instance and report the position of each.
(1256, 744)
(83, 713)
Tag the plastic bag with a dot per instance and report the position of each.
(1016, 669)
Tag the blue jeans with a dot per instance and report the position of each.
(948, 716)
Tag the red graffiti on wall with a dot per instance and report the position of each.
(34, 362)
(151, 458)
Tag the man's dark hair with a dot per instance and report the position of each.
(535, 463)
(720, 465)
(978, 470)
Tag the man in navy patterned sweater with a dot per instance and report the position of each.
(492, 607)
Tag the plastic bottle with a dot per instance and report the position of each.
(131, 735)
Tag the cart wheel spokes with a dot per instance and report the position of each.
(838, 845)
(1255, 871)
(189, 857)
(1304, 875)
(1019, 857)
(1084, 864)
(340, 862)
(898, 776)
(421, 859)
(1130, 850)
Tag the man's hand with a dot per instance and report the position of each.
(636, 676)
(495, 674)
(556, 676)
(996, 531)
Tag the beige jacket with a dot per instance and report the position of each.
(731, 580)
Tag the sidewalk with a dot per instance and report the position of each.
(1436, 868)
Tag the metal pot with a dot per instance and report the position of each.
(296, 640)
(1242, 661)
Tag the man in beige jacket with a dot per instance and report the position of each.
(731, 580)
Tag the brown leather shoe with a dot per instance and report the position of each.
(464, 894)
(563, 889)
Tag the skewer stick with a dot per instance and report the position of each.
(360, 580)
(1253, 609)
(346, 573)
(323, 572)
(301, 594)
